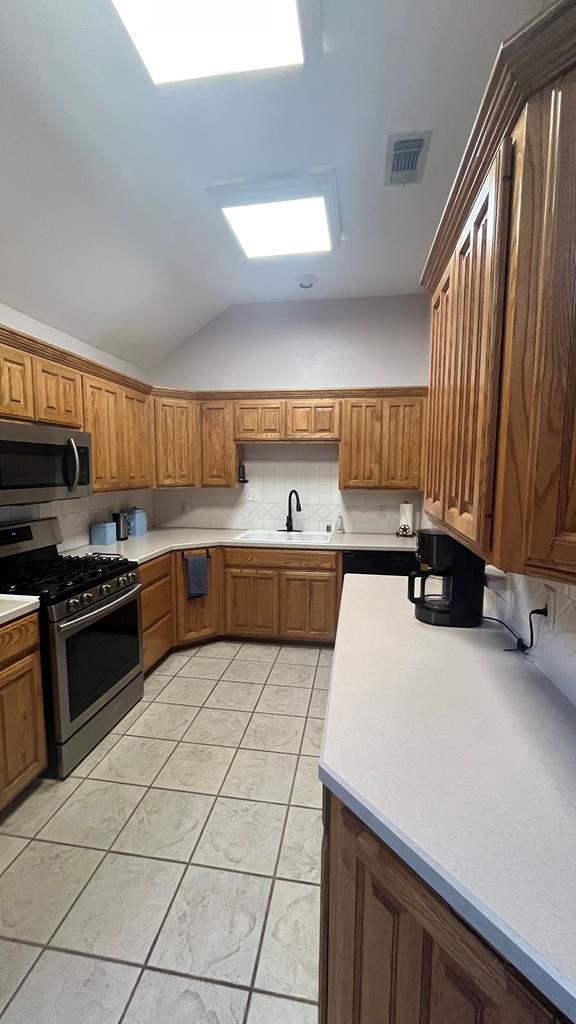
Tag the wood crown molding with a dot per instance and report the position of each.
(411, 391)
(545, 49)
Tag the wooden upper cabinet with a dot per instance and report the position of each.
(176, 443)
(260, 420)
(217, 448)
(16, 384)
(437, 412)
(361, 444)
(315, 419)
(104, 419)
(57, 394)
(402, 420)
(137, 438)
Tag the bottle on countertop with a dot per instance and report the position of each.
(339, 527)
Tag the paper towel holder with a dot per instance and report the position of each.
(406, 527)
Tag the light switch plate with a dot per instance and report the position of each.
(251, 492)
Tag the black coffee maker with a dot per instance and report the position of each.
(451, 591)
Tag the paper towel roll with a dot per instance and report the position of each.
(406, 527)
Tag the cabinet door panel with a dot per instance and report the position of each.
(103, 412)
(252, 602)
(199, 617)
(308, 605)
(137, 435)
(437, 414)
(259, 420)
(16, 384)
(401, 442)
(317, 419)
(57, 394)
(22, 731)
(218, 451)
(361, 444)
(176, 443)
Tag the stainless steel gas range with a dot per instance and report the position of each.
(91, 635)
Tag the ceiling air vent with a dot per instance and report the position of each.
(405, 157)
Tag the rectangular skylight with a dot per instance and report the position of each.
(281, 228)
(183, 39)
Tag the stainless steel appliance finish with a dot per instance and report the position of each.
(43, 463)
(91, 635)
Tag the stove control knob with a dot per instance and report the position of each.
(73, 604)
(122, 581)
(132, 577)
(87, 598)
(105, 589)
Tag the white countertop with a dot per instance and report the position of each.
(159, 542)
(462, 758)
(14, 607)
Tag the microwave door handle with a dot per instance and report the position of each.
(99, 613)
(75, 479)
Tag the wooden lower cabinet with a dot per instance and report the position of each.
(392, 950)
(252, 602)
(199, 618)
(22, 728)
(308, 605)
(157, 609)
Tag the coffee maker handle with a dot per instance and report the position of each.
(417, 574)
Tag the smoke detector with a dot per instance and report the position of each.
(406, 157)
(307, 281)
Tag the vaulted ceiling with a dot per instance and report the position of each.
(106, 229)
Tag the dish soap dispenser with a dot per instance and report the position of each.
(339, 527)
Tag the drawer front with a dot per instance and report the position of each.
(155, 570)
(156, 602)
(18, 637)
(157, 642)
(275, 558)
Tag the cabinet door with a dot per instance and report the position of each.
(260, 421)
(176, 443)
(317, 419)
(308, 605)
(138, 448)
(199, 617)
(437, 410)
(473, 368)
(103, 417)
(551, 526)
(396, 952)
(22, 731)
(401, 442)
(217, 448)
(252, 602)
(57, 394)
(16, 384)
(361, 444)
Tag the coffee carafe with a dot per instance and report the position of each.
(451, 582)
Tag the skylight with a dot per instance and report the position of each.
(281, 228)
(183, 39)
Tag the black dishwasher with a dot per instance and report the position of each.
(380, 563)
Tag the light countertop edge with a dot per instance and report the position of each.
(16, 607)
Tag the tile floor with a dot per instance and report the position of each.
(175, 875)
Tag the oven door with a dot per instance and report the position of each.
(94, 655)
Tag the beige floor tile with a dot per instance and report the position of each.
(40, 886)
(234, 696)
(134, 759)
(223, 728)
(293, 655)
(165, 824)
(67, 989)
(15, 961)
(168, 999)
(301, 846)
(242, 835)
(39, 803)
(204, 668)
(164, 721)
(260, 775)
(322, 678)
(121, 909)
(10, 847)
(279, 733)
(292, 675)
(221, 649)
(172, 664)
(195, 767)
(307, 786)
(273, 1010)
(258, 652)
(154, 685)
(289, 958)
(318, 703)
(325, 659)
(214, 925)
(93, 759)
(185, 691)
(284, 700)
(313, 736)
(94, 814)
(247, 671)
(132, 716)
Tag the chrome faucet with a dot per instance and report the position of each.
(289, 524)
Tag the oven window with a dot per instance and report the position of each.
(100, 655)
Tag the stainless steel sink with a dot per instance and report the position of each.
(279, 537)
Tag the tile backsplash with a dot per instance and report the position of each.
(76, 514)
(272, 472)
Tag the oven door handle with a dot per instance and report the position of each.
(86, 617)
(73, 486)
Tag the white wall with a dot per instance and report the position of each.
(329, 343)
(10, 317)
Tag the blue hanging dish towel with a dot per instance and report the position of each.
(197, 571)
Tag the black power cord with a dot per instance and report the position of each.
(521, 644)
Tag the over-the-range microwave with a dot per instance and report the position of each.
(42, 463)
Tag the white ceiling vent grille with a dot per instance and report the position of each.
(406, 157)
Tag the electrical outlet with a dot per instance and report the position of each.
(251, 492)
(550, 600)
(383, 510)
